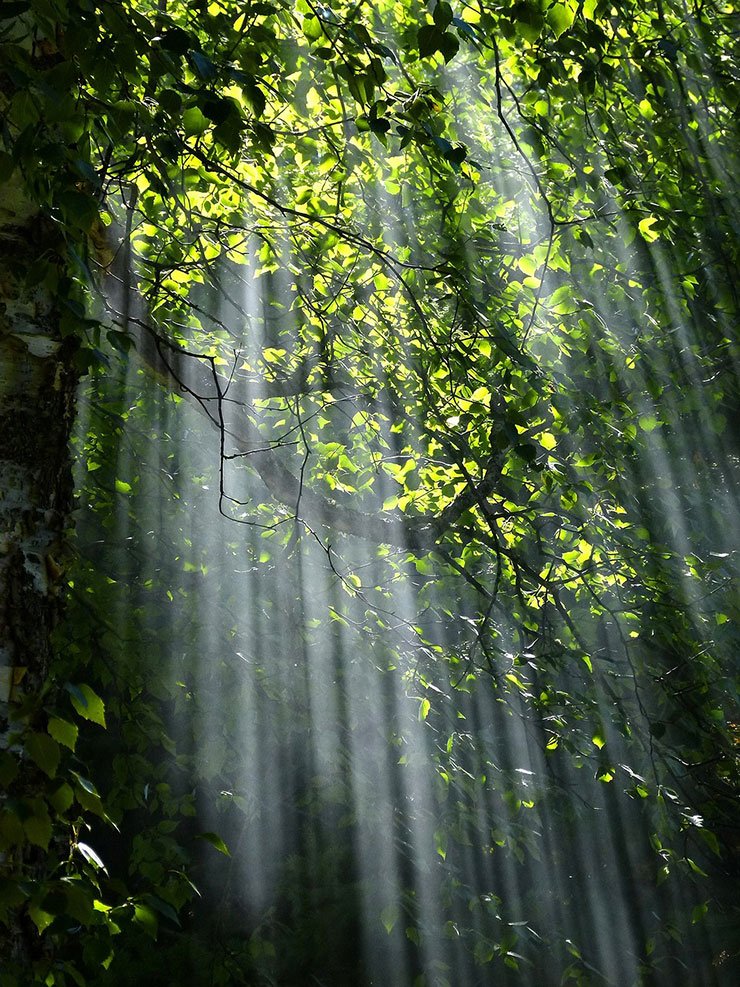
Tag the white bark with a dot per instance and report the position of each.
(37, 386)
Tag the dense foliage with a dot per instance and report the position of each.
(408, 337)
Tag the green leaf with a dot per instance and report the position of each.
(646, 230)
(38, 827)
(695, 867)
(431, 38)
(389, 916)
(215, 840)
(194, 122)
(442, 14)
(85, 784)
(88, 704)
(229, 133)
(88, 800)
(427, 39)
(41, 919)
(440, 843)
(147, 919)
(44, 750)
(312, 28)
(256, 98)
(62, 798)
(163, 908)
(63, 732)
(80, 209)
(170, 101)
(11, 829)
(449, 46)
(561, 15)
(79, 903)
(711, 840)
(203, 65)
(8, 769)
(456, 155)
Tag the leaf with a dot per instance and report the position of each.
(147, 919)
(38, 827)
(431, 39)
(8, 769)
(176, 40)
(62, 798)
(312, 28)
(44, 751)
(91, 856)
(427, 39)
(449, 46)
(87, 795)
(80, 209)
(456, 155)
(440, 843)
(561, 15)
(255, 97)
(424, 709)
(442, 14)
(63, 732)
(79, 903)
(646, 231)
(194, 122)
(87, 703)
(547, 440)
(11, 829)
(86, 785)
(170, 101)
(202, 65)
(215, 840)
(711, 840)
(229, 133)
(163, 908)
(389, 916)
(695, 867)
(41, 919)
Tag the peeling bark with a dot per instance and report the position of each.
(37, 388)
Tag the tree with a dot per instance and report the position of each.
(454, 291)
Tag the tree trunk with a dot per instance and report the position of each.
(37, 389)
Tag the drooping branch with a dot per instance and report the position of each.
(196, 379)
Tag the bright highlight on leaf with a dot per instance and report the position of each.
(215, 840)
(87, 703)
(646, 230)
(560, 15)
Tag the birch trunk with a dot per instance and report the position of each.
(37, 388)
